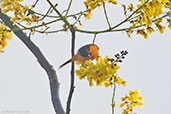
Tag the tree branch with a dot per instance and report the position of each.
(113, 99)
(60, 15)
(69, 6)
(94, 38)
(54, 84)
(105, 12)
(117, 25)
(72, 52)
(72, 72)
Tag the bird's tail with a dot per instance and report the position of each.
(70, 60)
(74, 58)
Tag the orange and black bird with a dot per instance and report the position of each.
(86, 52)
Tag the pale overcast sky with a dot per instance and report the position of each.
(24, 84)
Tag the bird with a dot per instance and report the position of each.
(86, 52)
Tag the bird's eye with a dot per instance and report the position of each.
(89, 55)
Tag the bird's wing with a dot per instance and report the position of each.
(84, 51)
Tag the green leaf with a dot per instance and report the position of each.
(30, 12)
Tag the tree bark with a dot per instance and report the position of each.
(53, 80)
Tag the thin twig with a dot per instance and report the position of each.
(134, 17)
(48, 32)
(46, 14)
(78, 19)
(94, 38)
(107, 19)
(35, 3)
(69, 6)
(43, 24)
(113, 99)
(51, 16)
(60, 15)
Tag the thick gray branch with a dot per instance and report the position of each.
(54, 84)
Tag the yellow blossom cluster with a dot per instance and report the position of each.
(93, 4)
(150, 13)
(18, 10)
(103, 72)
(134, 99)
(4, 35)
(169, 21)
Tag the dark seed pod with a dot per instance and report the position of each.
(120, 61)
(123, 57)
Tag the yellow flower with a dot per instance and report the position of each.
(93, 4)
(124, 98)
(142, 32)
(164, 1)
(149, 21)
(169, 21)
(64, 27)
(75, 27)
(129, 32)
(140, 104)
(123, 83)
(159, 20)
(160, 27)
(4, 11)
(4, 35)
(141, 98)
(130, 7)
(113, 1)
(88, 15)
(119, 81)
(150, 30)
(103, 72)
(3, 43)
(18, 10)
(134, 99)
(122, 105)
